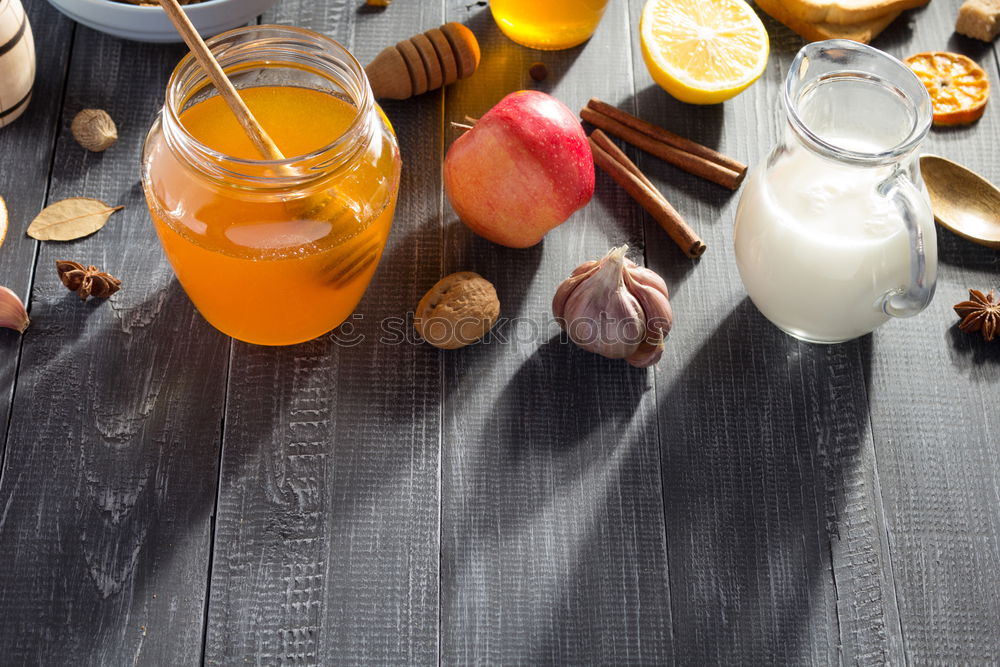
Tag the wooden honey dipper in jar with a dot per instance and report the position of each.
(424, 62)
(288, 245)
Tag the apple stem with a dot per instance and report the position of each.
(471, 120)
(461, 126)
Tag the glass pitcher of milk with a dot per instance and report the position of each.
(834, 232)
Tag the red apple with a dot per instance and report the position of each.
(523, 169)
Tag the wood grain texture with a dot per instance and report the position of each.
(777, 548)
(934, 412)
(327, 532)
(754, 500)
(552, 547)
(110, 476)
(28, 144)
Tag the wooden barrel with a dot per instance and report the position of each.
(17, 61)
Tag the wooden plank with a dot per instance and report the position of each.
(29, 143)
(933, 401)
(777, 548)
(552, 523)
(111, 471)
(327, 531)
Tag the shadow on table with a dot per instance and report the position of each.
(700, 123)
(971, 351)
(123, 454)
(538, 509)
(760, 434)
(956, 251)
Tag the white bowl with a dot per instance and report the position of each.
(150, 24)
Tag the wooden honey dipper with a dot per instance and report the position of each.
(424, 62)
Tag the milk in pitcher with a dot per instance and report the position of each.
(819, 253)
(834, 232)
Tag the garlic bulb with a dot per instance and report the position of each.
(615, 308)
(12, 312)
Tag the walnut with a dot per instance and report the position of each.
(457, 311)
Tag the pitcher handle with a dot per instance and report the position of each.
(908, 301)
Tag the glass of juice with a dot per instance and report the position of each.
(548, 24)
(273, 252)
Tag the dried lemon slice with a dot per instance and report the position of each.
(703, 51)
(958, 86)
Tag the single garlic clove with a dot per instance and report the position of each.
(649, 278)
(12, 312)
(655, 305)
(579, 274)
(600, 314)
(646, 354)
(586, 267)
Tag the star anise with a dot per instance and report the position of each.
(979, 313)
(87, 281)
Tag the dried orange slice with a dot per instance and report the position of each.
(958, 86)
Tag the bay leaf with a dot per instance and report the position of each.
(70, 219)
(3, 220)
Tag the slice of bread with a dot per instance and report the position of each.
(864, 31)
(847, 12)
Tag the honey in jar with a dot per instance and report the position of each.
(549, 25)
(273, 252)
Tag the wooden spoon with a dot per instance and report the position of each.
(962, 200)
(264, 144)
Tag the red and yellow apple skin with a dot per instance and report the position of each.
(523, 169)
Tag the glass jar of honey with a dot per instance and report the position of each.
(549, 25)
(273, 252)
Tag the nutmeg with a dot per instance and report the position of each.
(94, 129)
(457, 311)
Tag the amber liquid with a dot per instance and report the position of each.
(548, 24)
(255, 264)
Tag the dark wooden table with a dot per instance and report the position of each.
(170, 496)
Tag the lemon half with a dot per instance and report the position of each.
(703, 51)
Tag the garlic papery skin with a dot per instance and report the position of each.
(599, 313)
(12, 312)
(615, 308)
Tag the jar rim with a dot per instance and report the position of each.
(188, 77)
(794, 90)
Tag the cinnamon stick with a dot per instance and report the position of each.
(618, 154)
(666, 136)
(689, 162)
(624, 173)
